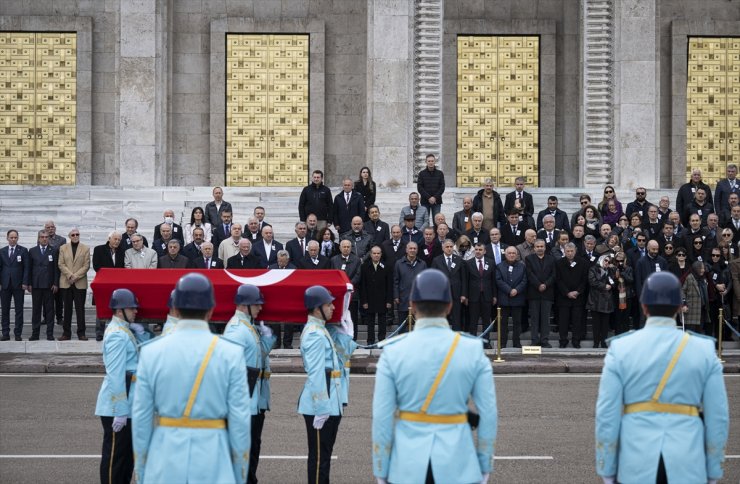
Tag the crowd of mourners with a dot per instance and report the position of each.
(540, 266)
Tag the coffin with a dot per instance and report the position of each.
(282, 290)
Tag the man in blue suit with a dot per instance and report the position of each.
(662, 413)
(422, 428)
(266, 249)
(511, 283)
(13, 276)
(43, 282)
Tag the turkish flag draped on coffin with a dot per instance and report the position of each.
(282, 289)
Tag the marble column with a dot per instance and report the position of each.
(142, 93)
(637, 106)
(389, 93)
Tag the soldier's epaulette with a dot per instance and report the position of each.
(226, 338)
(710, 338)
(390, 341)
(617, 336)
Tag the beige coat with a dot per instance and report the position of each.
(76, 266)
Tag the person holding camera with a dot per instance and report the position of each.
(602, 281)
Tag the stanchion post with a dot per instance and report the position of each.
(719, 334)
(411, 320)
(498, 336)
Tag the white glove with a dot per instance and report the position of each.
(609, 480)
(265, 331)
(319, 420)
(119, 423)
(381, 480)
(346, 326)
(484, 479)
(137, 328)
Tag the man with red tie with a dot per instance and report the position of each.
(208, 260)
(479, 289)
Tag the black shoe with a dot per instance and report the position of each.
(563, 345)
(577, 345)
(82, 337)
(18, 338)
(50, 338)
(603, 345)
(546, 345)
(33, 338)
(287, 347)
(98, 338)
(597, 344)
(517, 346)
(5, 338)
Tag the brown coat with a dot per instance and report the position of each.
(696, 314)
(77, 265)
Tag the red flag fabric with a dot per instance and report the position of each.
(282, 290)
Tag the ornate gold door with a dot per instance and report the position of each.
(38, 95)
(497, 109)
(713, 106)
(267, 110)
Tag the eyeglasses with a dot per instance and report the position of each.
(668, 247)
(74, 235)
(608, 191)
(680, 254)
(698, 242)
(726, 235)
(715, 255)
(641, 193)
(584, 202)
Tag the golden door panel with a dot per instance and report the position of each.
(38, 83)
(497, 109)
(733, 101)
(267, 110)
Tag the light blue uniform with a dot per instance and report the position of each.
(165, 377)
(169, 325)
(345, 347)
(120, 355)
(318, 350)
(630, 445)
(408, 366)
(256, 354)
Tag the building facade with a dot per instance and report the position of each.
(262, 92)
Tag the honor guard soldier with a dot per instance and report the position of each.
(257, 341)
(345, 347)
(321, 399)
(191, 418)
(428, 376)
(662, 413)
(171, 321)
(120, 355)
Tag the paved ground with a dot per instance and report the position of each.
(544, 420)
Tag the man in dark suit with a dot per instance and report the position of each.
(222, 230)
(13, 276)
(173, 259)
(244, 259)
(462, 221)
(394, 248)
(43, 282)
(520, 201)
(478, 234)
(479, 290)
(725, 187)
(252, 230)
(347, 205)
(349, 263)
(132, 225)
(193, 250)
(106, 255)
(548, 232)
(511, 285)
(512, 232)
(215, 208)
(283, 262)
(312, 259)
(160, 243)
(452, 265)
(652, 262)
(169, 219)
(540, 292)
(429, 247)
(298, 247)
(449, 232)
(259, 212)
(495, 248)
(571, 274)
(207, 260)
(266, 248)
(561, 218)
(379, 229)
(376, 293)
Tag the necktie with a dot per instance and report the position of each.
(12, 250)
(302, 248)
(346, 196)
(208, 263)
(449, 262)
(43, 250)
(226, 229)
(480, 272)
(497, 253)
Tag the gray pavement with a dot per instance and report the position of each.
(545, 421)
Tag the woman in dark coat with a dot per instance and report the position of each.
(625, 279)
(696, 249)
(600, 299)
(680, 265)
(327, 245)
(365, 186)
(719, 287)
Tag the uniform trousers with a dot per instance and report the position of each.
(117, 463)
(42, 301)
(516, 322)
(75, 296)
(320, 447)
(369, 320)
(258, 422)
(16, 295)
(571, 317)
(539, 312)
